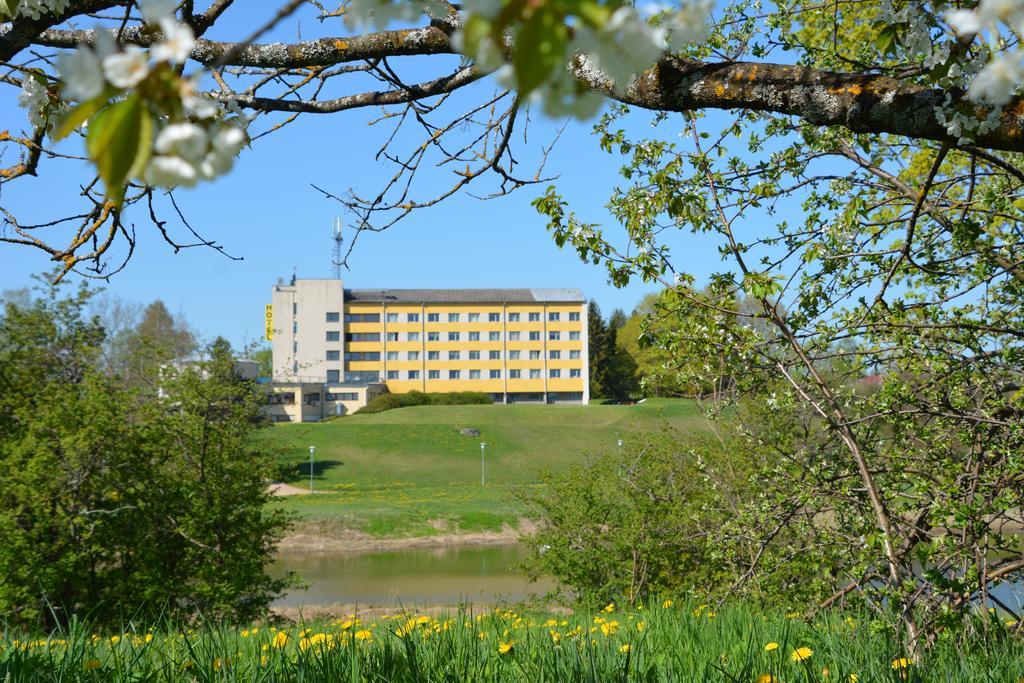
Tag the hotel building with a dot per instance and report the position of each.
(334, 348)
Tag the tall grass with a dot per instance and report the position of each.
(665, 642)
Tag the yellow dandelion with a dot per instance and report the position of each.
(91, 664)
(767, 678)
(551, 623)
(556, 637)
(609, 608)
(667, 604)
(641, 625)
(771, 646)
(1010, 623)
(624, 647)
(900, 663)
(364, 634)
(148, 638)
(481, 635)
(505, 648)
(853, 678)
(801, 654)
(280, 640)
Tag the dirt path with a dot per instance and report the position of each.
(279, 489)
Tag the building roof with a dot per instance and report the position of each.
(464, 296)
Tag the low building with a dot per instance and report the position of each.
(518, 345)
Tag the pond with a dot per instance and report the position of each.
(420, 576)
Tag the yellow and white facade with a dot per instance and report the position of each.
(518, 345)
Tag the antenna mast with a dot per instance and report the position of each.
(336, 260)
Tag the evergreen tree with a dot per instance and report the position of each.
(597, 335)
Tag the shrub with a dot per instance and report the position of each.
(418, 398)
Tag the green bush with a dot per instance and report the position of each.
(417, 398)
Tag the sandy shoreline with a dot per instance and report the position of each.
(307, 538)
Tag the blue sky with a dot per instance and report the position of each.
(267, 213)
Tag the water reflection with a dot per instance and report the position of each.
(417, 576)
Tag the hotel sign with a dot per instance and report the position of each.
(269, 320)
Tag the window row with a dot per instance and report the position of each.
(553, 316)
(450, 355)
(478, 374)
(553, 335)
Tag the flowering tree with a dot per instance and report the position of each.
(160, 106)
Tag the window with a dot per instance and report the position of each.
(453, 355)
(535, 317)
(514, 374)
(454, 374)
(433, 355)
(494, 336)
(392, 374)
(574, 336)
(574, 355)
(295, 347)
(495, 374)
(534, 374)
(413, 317)
(555, 355)
(575, 372)
(392, 336)
(433, 374)
(474, 355)
(494, 355)
(474, 317)
(513, 336)
(413, 336)
(414, 355)
(474, 374)
(493, 317)
(553, 316)
(334, 375)
(534, 355)
(555, 373)
(362, 336)
(573, 317)
(362, 317)
(453, 336)
(334, 355)
(295, 309)
(513, 355)
(433, 336)
(362, 355)
(392, 355)
(334, 336)
(535, 336)
(362, 376)
(333, 317)
(433, 317)
(285, 398)
(453, 317)
(554, 336)
(513, 317)
(414, 374)
(295, 328)
(474, 336)
(392, 317)
(342, 396)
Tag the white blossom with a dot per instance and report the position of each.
(170, 171)
(40, 8)
(126, 69)
(689, 24)
(998, 81)
(177, 43)
(186, 140)
(229, 140)
(81, 74)
(155, 11)
(34, 98)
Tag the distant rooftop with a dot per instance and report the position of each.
(464, 296)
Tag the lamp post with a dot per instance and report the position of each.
(312, 449)
(482, 447)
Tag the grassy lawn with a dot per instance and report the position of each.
(409, 471)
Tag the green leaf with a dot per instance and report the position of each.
(8, 8)
(79, 115)
(116, 137)
(539, 46)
